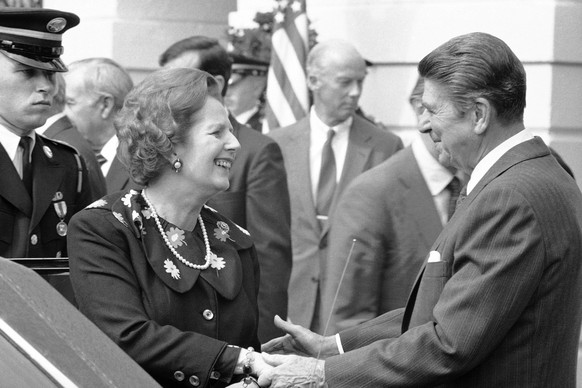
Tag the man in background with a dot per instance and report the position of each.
(323, 153)
(59, 127)
(257, 198)
(246, 90)
(96, 88)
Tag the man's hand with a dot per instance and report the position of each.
(300, 341)
(292, 371)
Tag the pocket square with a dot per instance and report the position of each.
(434, 257)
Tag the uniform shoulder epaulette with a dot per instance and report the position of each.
(75, 153)
(58, 143)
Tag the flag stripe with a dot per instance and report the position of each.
(287, 98)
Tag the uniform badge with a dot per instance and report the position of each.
(61, 209)
(56, 25)
(48, 152)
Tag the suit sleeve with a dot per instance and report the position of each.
(100, 260)
(269, 222)
(497, 260)
(361, 215)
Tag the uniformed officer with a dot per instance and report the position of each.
(245, 96)
(42, 182)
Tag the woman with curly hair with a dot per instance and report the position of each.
(170, 280)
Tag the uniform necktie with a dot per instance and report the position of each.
(454, 188)
(26, 165)
(327, 177)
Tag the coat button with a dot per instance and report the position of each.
(194, 381)
(179, 375)
(208, 315)
(34, 239)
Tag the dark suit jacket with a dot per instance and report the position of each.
(64, 130)
(390, 211)
(118, 178)
(502, 308)
(367, 147)
(28, 227)
(170, 326)
(258, 200)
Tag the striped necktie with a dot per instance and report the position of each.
(454, 188)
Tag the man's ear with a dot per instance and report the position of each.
(221, 81)
(107, 105)
(312, 82)
(482, 115)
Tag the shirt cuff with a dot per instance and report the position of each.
(338, 342)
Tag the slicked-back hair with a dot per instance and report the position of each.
(479, 65)
(104, 75)
(214, 58)
(157, 114)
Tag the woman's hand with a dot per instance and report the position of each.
(300, 341)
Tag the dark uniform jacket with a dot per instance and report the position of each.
(28, 227)
(175, 321)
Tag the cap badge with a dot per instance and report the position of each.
(48, 152)
(56, 25)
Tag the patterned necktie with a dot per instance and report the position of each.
(26, 165)
(454, 188)
(327, 177)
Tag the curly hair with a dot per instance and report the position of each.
(157, 114)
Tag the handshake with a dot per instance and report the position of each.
(294, 360)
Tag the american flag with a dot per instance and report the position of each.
(287, 96)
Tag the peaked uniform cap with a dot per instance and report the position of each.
(245, 65)
(33, 36)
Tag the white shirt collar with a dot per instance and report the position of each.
(10, 141)
(109, 151)
(436, 176)
(494, 155)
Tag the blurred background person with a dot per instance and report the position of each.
(59, 127)
(394, 211)
(96, 88)
(257, 198)
(170, 280)
(323, 153)
(245, 96)
(43, 182)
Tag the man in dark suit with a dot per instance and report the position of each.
(42, 182)
(257, 198)
(59, 127)
(497, 303)
(96, 88)
(336, 72)
(394, 211)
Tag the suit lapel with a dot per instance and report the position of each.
(417, 199)
(117, 176)
(299, 156)
(48, 175)
(58, 126)
(13, 189)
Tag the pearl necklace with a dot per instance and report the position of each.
(169, 244)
